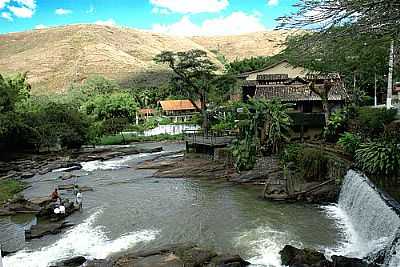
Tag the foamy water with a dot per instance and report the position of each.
(265, 244)
(84, 239)
(113, 164)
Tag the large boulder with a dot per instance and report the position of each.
(291, 256)
(294, 257)
(72, 262)
(42, 229)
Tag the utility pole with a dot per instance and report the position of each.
(390, 76)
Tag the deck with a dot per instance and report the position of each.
(210, 139)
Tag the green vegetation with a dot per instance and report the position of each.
(313, 164)
(87, 113)
(379, 158)
(8, 188)
(124, 139)
(195, 77)
(349, 142)
(262, 126)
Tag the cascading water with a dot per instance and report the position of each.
(373, 217)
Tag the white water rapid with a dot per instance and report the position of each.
(368, 219)
(84, 239)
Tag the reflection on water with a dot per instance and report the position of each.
(128, 209)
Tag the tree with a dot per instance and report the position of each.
(363, 16)
(323, 93)
(12, 91)
(194, 73)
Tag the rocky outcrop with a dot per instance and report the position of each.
(30, 165)
(42, 229)
(73, 262)
(294, 257)
(19, 205)
(183, 255)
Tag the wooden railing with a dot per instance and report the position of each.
(210, 138)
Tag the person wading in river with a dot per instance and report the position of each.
(78, 199)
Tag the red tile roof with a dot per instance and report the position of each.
(176, 105)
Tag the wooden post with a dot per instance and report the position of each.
(390, 77)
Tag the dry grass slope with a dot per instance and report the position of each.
(57, 57)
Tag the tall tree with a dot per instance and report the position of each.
(195, 73)
(364, 16)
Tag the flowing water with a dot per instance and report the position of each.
(130, 209)
(369, 218)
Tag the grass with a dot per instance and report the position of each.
(119, 140)
(9, 188)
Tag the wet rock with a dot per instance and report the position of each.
(291, 256)
(27, 175)
(6, 212)
(72, 262)
(42, 229)
(294, 257)
(68, 176)
(99, 263)
(181, 255)
(228, 261)
(21, 205)
(340, 261)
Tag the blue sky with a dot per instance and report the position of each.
(176, 17)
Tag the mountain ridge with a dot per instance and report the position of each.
(58, 56)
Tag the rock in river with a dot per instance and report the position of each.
(40, 230)
(294, 257)
(183, 255)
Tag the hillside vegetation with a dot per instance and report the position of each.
(56, 57)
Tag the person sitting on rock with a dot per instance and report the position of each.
(55, 196)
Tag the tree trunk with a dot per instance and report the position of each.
(327, 112)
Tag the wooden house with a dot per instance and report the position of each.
(292, 85)
(178, 110)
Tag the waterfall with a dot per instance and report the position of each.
(373, 215)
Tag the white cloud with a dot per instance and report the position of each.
(109, 22)
(21, 12)
(62, 11)
(18, 8)
(3, 3)
(191, 6)
(41, 26)
(273, 2)
(235, 23)
(7, 16)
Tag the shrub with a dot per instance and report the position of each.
(313, 164)
(379, 158)
(244, 152)
(370, 122)
(349, 142)
(291, 153)
(336, 125)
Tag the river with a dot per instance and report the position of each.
(130, 209)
